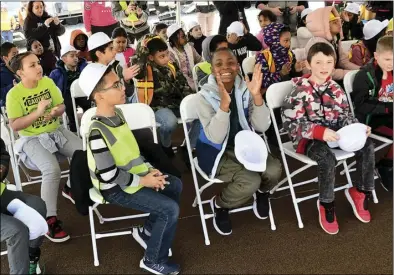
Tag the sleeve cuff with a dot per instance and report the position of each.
(136, 181)
(222, 115)
(318, 132)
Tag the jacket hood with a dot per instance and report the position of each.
(74, 34)
(211, 87)
(318, 24)
(205, 48)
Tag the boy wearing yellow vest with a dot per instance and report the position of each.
(122, 176)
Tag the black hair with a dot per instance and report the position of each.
(160, 26)
(100, 83)
(223, 50)
(320, 47)
(156, 45)
(16, 63)
(119, 32)
(101, 49)
(216, 40)
(268, 14)
(30, 43)
(6, 48)
(173, 39)
(371, 43)
(283, 30)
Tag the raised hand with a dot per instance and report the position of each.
(48, 21)
(225, 98)
(42, 106)
(129, 73)
(254, 86)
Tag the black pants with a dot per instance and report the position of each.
(105, 29)
(82, 102)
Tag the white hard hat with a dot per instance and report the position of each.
(66, 49)
(173, 29)
(251, 151)
(90, 76)
(353, 8)
(305, 12)
(98, 39)
(237, 28)
(374, 27)
(191, 25)
(352, 138)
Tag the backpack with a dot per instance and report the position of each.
(80, 181)
(270, 61)
(362, 49)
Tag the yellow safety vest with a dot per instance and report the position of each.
(124, 149)
(132, 16)
(2, 187)
(6, 21)
(205, 66)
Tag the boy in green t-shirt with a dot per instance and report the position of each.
(34, 106)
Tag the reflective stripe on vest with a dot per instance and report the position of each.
(124, 150)
(132, 16)
(205, 67)
(2, 187)
(270, 61)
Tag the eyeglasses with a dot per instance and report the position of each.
(117, 85)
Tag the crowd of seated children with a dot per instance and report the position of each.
(312, 113)
(8, 78)
(79, 40)
(121, 47)
(161, 85)
(265, 18)
(23, 224)
(362, 51)
(182, 53)
(303, 34)
(224, 109)
(373, 101)
(325, 26)
(68, 69)
(34, 106)
(195, 36)
(121, 175)
(47, 58)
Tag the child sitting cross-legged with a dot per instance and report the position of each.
(34, 106)
(312, 113)
(225, 106)
(122, 176)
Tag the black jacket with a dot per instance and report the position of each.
(228, 11)
(247, 43)
(35, 28)
(366, 92)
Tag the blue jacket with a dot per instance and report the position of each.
(7, 82)
(59, 75)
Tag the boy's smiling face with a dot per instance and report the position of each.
(321, 66)
(226, 65)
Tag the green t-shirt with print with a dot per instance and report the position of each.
(21, 101)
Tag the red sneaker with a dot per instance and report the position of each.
(55, 231)
(359, 203)
(327, 219)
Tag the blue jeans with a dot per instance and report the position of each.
(169, 123)
(7, 36)
(163, 207)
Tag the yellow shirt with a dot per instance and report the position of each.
(7, 22)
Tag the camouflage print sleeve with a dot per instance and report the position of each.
(182, 82)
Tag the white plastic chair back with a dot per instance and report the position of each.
(347, 44)
(5, 133)
(195, 76)
(277, 92)
(188, 109)
(248, 64)
(76, 92)
(348, 83)
(294, 42)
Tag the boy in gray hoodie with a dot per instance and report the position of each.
(226, 105)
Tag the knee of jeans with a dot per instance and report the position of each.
(330, 160)
(19, 231)
(176, 184)
(172, 211)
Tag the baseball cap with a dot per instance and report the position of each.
(90, 76)
(352, 138)
(66, 49)
(352, 8)
(305, 12)
(98, 39)
(191, 25)
(237, 28)
(173, 29)
(373, 27)
(251, 150)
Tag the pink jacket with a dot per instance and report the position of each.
(97, 14)
(260, 37)
(318, 24)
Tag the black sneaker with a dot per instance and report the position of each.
(221, 220)
(261, 205)
(66, 192)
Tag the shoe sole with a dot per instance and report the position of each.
(349, 198)
(256, 213)
(68, 197)
(144, 267)
(214, 222)
(321, 225)
(142, 243)
(58, 240)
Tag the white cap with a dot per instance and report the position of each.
(66, 49)
(352, 138)
(90, 76)
(173, 29)
(305, 12)
(373, 27)
(353, 8)
(251, 151)
(191, 25)
(237, 28)
(98, 39)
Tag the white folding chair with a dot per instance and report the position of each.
(275, 97)
(189, 114)
(6, 137)
(195, 77)
(294, 42)
(248, 64)
(76, 92)
(138, 116)
(347, 44)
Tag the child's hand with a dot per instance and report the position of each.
(48, 117)
(153, 180)
(285, 69)
(42, 105)
(129, 73)
(368, 131)
(254, 86)
(225, 98)
(330, 135)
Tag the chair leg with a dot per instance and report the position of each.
(99, 216)
(272, 220)
(375, 198)
(93, 233)
(347, 173)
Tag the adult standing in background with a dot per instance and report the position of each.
(42, 27)
(22, 13)
(7, 24)
(231, 11)
(278, 8)
(205, 16)
(97, 17)
(132, 17)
